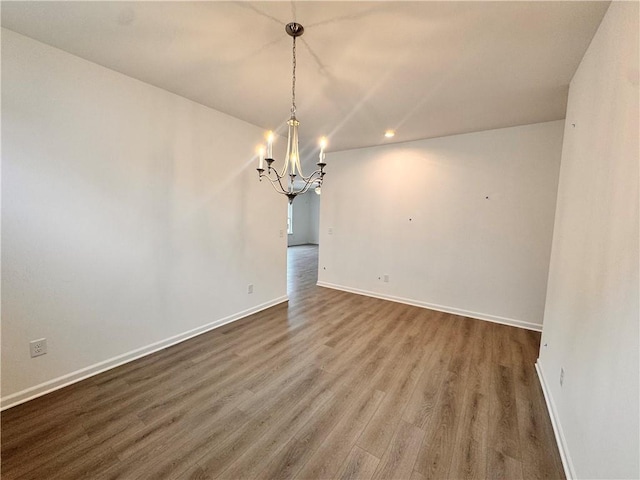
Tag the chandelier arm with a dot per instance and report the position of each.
(310, 181)
(283, 173)
(305, 189)
(317, 173)
(275, 182)
(281, 191)
(309, 177)
(279, 180)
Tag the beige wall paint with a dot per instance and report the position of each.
(131, 217)
(591, 322)
(461, 223)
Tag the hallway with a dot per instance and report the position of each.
(302, 271)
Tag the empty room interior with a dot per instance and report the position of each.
(320, 240)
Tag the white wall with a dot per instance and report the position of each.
(418, 212)
(592, 314)
(131, 217)
(314, 219)
(306, 211)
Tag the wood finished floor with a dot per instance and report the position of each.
(332, 385)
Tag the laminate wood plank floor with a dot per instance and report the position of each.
(330, 385)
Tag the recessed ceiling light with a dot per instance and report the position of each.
(389, 133)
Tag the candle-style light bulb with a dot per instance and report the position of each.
(323, 145)
(261, 153)
(270, 137)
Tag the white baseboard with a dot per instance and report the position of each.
(73, 377)
(567, 464)
(441, 308)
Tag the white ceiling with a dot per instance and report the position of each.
(426, 69)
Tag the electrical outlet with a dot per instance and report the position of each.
(561, 376)
(281, 233)
(386, 278)
(330, 231)
(250, 288)
(38, 347)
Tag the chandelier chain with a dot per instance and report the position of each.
(293, 80)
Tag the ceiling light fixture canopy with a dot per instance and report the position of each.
(291, 167)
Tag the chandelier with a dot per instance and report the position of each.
(284, 181)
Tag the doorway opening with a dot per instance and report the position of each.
(303, 232)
